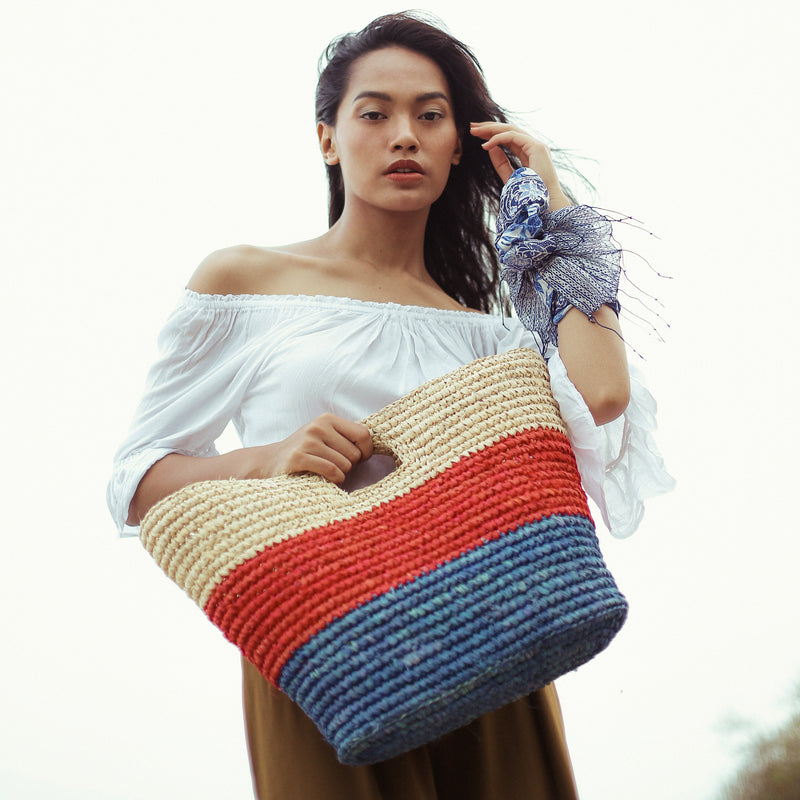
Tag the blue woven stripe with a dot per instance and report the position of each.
(412, 663)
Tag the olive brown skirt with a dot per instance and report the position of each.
(516, 753)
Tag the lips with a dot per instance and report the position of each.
(404, 167)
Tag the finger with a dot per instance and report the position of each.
(514, 140)
(480, 129)
(489, 127)
(509, 133)
(312, 447)
(501, 163)
(352, 439)
(320, 466)
(357, 434)
(531, 153)
(488, 130)
(345, 448)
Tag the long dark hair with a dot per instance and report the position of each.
(459, 253)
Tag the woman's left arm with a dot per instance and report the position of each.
(594, 356)
(592, 350)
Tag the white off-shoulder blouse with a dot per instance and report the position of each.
(271, 363)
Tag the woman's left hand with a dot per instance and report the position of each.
(531, 153)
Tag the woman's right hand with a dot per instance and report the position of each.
(328, 445)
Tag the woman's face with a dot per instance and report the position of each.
(395, 135)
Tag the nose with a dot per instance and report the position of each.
(403, 136)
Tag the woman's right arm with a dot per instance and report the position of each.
(195, 388)
(328, 446)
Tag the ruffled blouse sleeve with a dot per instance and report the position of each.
(192, 391)
(619, 462)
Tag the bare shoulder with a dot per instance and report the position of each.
(242, 269)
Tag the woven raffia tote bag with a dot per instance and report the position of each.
(466, 578)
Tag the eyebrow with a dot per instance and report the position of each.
(422, 98)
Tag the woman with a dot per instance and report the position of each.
(294, 343)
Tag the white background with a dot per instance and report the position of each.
(138, 137)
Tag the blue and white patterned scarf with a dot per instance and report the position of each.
(553, 260)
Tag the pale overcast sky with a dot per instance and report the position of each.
(138, 137)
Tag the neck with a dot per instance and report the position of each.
(391, 241)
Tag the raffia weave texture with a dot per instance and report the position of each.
(469, 576)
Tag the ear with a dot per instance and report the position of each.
(456, 159)
(327, 143)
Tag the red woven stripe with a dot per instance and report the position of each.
(277, 600)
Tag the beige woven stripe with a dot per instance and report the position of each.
(201, 533)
